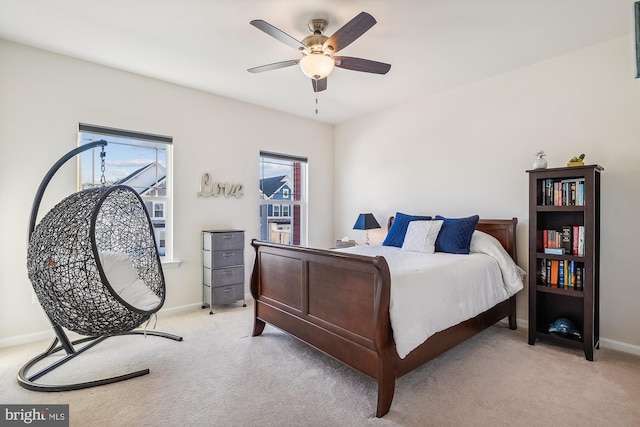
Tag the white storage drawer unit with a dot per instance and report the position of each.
(222, 267)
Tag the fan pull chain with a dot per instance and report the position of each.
(315, 90)
(103, 180)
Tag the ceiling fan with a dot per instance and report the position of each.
(318, 50)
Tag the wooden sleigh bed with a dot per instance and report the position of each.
(339, 304)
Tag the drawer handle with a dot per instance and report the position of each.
(227, 289)
(227, 236)
(227, 254)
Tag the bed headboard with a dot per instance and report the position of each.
(502, 229)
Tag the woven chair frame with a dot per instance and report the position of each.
(64, 265)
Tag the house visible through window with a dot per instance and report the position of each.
(283, 198)
(139, 160)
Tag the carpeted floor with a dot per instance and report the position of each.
(221, 376)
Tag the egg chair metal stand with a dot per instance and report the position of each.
(67, 270)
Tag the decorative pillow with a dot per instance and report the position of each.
(395, 236)
(421, 236)
(124, 280)
(455, 234)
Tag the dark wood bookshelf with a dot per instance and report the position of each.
(550, 302)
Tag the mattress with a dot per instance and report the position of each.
(432, 292)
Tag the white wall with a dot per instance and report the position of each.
(466, 151)
(43, 96)
(457, 153)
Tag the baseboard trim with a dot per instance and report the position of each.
(604, 342)
(180, 309)
(620, 346)
(49, 334)
(43, 335)
(26, 338)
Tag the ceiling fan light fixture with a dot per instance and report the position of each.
(316, 65)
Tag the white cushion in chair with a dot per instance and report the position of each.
(124, 280)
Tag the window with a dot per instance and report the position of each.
(139, 160)
(158, 210)
(283, 198)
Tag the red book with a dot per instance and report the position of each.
(576, 234)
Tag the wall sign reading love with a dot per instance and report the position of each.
(211, 188)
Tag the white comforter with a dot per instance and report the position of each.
(432, 292)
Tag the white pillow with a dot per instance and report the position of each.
(421, 236)
(124, 280)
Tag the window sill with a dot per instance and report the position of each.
(170, 263)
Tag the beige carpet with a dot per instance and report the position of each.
(221, 376)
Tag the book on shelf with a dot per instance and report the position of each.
(542, 273)
(563, 192)
(548, 275)
(551, 239)
(554, 251)
(561, 274)
(563, 238)
(579, 274)
(567, 238)
(553, 278)
(569, 273)
(580, 240)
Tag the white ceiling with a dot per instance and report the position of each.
(433, 45)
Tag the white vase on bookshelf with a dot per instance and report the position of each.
(540, 162)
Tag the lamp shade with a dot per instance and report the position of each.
(316, 65)
(366, 221)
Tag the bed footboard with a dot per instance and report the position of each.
(336, 302)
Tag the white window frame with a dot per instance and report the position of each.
(88, 133)
(290, 203)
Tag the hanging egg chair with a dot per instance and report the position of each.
(94, 266)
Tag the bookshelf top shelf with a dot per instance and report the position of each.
(578, 170)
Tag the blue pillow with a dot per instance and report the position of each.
(455, 234)
(395, 236)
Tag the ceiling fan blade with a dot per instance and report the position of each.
(274, 66)
(319, 85)
(277, 34)
(359, 64)
(349, 32)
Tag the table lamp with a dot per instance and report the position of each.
(366, 221)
